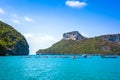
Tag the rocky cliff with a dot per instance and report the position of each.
(111, 37)
(74, 43)
(74, 35)
(11, 41)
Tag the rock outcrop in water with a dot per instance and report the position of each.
(11, 41)
(74, 43)
(74, 35)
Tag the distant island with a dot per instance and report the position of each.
(11, 41)
(74, 43)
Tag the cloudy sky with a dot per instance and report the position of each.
(43, 22)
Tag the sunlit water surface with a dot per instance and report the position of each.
(53, 67)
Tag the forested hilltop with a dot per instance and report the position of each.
(75, 43)
(11, 41)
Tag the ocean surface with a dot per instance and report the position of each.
(58, 67)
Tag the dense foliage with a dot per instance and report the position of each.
(9, 37)
(89, 45)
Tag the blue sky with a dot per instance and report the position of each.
(43, 22)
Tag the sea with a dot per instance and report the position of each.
(59, 67)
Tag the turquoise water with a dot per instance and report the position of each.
(55, 68)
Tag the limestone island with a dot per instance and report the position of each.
(75, 43)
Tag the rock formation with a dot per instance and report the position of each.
(74, 35)
(111, 37)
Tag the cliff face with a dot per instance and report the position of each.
(11, 41)
(106, 44)
(111, 37)
(74, 35)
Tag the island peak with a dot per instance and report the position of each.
(74, 35)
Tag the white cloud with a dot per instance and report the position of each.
(16, 21)
(28, 19)
(37, 41)
(75, 3)
(28, 35)
(2, 11)
(15, 18)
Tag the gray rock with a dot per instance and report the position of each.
(74, 35)
(111, 37)
(18, 49)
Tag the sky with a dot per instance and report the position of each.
(43, 22)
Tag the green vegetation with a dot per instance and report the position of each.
(89, 46)
(9, 37)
